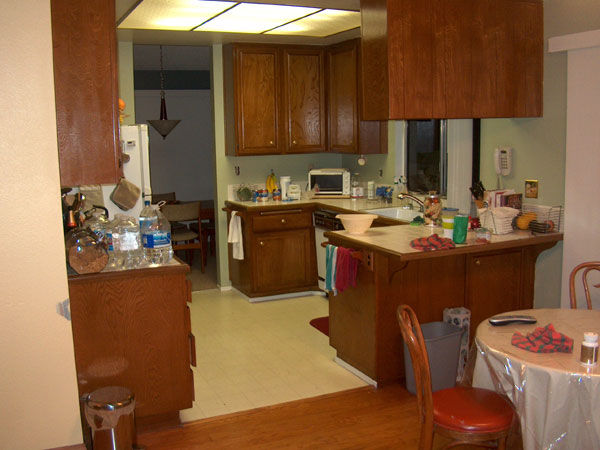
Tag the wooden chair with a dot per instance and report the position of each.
(466, 415)
(587, 267)
(206, 230)
(168, 197)
(184, 238)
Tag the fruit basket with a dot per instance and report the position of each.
(540, 219)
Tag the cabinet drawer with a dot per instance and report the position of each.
(282, 220)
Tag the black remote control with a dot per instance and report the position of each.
(508, 319)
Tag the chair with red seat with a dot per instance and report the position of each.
(587, 267)
(464, 414)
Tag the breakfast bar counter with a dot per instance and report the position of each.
(485, 278)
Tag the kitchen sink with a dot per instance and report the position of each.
(398, 213)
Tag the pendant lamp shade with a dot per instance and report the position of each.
(164, 126)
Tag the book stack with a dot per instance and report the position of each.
(503, 197)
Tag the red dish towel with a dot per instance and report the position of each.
(433, 242)
(543, 340)
(345, 270)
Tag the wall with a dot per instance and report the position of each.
(183, 162)
(539, 143)
(38, 389)
(125, 61)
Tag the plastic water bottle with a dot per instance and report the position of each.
(156, 235)
(127, 243)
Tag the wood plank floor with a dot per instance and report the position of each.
(363, 418)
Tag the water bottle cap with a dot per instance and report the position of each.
(146, 202)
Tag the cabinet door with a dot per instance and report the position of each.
(343, 98)
(257, 100)
(282, 260)
(493, 285)
(85, 85)
(304, 98)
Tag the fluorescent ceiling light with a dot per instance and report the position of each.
(321, 24)
(255, 18)
(173, 14)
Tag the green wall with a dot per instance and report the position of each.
(126, 90)
(539, 143)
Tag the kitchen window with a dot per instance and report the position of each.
(439, 155)
(426, 156)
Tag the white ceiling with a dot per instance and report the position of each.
(155, 37)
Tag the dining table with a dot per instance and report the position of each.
(556, 397)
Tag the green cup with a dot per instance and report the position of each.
(459, 234)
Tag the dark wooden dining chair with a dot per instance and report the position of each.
(168, 197)
(184, 238)
(465, 415)
(586, 267)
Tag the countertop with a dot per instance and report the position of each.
(395, 239)
(336, 204)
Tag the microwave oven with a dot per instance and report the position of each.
(329, 182)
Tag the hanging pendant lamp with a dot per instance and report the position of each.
(164, 126)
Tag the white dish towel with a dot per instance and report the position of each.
(235, 236)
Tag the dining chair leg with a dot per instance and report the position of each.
(202, 255)
(502, 443)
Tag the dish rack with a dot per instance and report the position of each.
(498, 220)
(547, 218)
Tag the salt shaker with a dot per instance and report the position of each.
(589, 348)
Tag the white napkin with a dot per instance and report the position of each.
(235, 236)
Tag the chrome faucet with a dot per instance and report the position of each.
(414, 199)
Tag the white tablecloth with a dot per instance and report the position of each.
(556, 398)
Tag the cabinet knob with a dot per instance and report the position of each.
(477, 262)
(262, 244)
(270, 142)
(282, 220)
(294, 142)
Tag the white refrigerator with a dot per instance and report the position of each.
(134, 141)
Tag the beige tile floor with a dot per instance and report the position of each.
(256, 354)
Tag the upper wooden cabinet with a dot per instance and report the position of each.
(425, 59)
(296, 99)
(257, 99)
(304, 100)
(347, 132)
(86, 90)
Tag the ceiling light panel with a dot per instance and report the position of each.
(255, 18)
(321, 24)
(173, 14)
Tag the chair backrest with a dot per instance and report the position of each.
(166, 197)
(586, 267)
(413, 337)
(181, 212)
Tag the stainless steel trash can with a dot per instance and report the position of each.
(110, 413)
(442, 341)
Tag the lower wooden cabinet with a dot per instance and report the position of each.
(279, 252)
(363, 327)
(132, 329)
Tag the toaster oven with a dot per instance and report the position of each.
(334, 182)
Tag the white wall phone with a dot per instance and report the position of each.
(503, 160)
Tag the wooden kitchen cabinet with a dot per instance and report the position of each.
(347, 132)
(363, 327)
(132, 328)
(283, 99)
(425, 59)
(257, 100)
(86, 91)
(279, 251)
(304, 100)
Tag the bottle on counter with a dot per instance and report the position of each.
(127, 242)
(156, 235)
(589, 348)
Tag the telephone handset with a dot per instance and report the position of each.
(503, 160)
